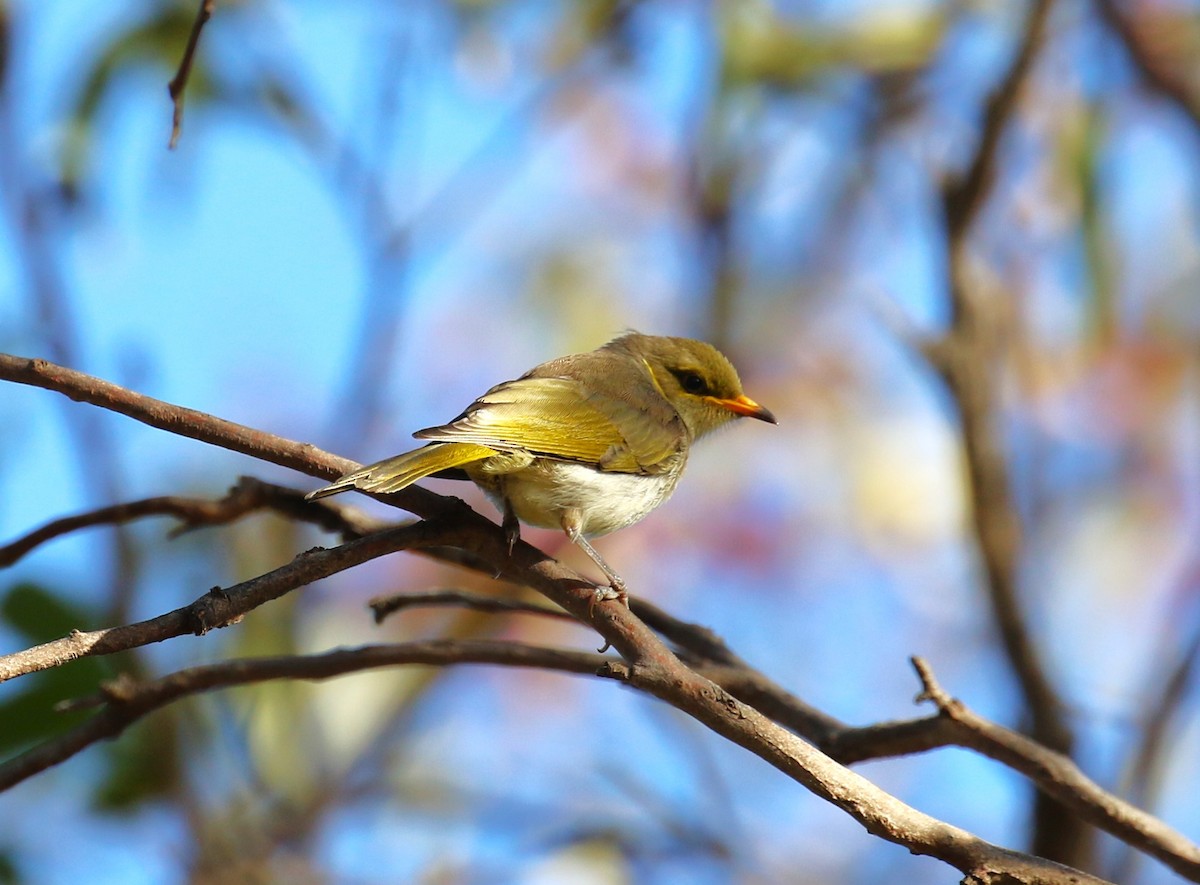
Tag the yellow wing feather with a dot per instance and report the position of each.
(394, 474)
(554, 417)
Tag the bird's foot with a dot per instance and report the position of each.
(512, 527)
(616, 591)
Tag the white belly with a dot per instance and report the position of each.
(541, 493)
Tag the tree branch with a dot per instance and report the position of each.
(649, 665)
(123, 702)
(954, 725)
(967, 359)
(221, 607)
(1149, 63)
(384, 606)
(1058, 776)
(248, 496)
(205, 428)
(178, 85)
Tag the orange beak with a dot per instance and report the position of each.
(743, 405)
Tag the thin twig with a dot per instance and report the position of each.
(383, 606)
(178, 85)
(123, 702)
(248, 496)
(221, 607)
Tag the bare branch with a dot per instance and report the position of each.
(967, 358)
(124, 701)
(178, 85)
(1053, 773)
(1149, 61)
(1057, 775)
(248, 496)
(220, 607)
(204, 427)
(651, 666)
(880, 813)
(383, 606)
(965, 197)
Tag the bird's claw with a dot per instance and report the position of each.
(608, 594)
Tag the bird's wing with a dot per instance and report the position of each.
(394, 474)
(553, 417)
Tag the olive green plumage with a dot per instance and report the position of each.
(589, 442)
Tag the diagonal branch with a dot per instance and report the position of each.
(124, 702)
(1149, 62)
(178, 85)
(1057, 775)
(221, 607)
(201, 426)
(248, 496)
(648, 664)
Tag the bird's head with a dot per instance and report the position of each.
(695, 378)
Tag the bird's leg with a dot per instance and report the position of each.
(511, 525)
(571, 522)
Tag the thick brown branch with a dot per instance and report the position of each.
(1053, 773)
(124, 702)
(880, 813)
(178, 85)
(204, 427)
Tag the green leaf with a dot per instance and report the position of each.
(27, 715)
(40, 615)
(141, 765)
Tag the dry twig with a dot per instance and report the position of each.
(178, 85)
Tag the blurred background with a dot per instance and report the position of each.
(377, 210)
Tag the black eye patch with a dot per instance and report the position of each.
(690, 381)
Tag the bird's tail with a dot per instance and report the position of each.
(402, 471)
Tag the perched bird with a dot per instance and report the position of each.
(588, 443)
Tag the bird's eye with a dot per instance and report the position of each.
(692, 383)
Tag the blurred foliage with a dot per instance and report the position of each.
(155, 43)
(38, 615)
(139, 765)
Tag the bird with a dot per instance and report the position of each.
(587, 443)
